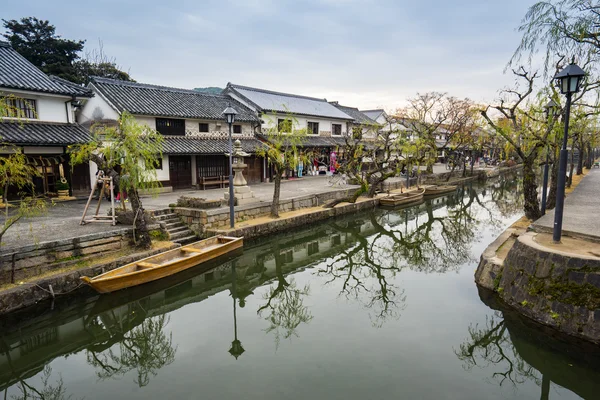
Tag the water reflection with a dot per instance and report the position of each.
(361, 256)
(515, 350)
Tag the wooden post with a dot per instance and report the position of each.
(112, 201)
(87, 205)
(100, 196)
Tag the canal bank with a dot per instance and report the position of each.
(554, 284)
(374, 302)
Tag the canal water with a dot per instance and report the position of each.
(377, 305)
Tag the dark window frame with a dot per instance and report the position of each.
(282, 125)
(237, 128)
(314, 130)
(203, 125)
(170, 126)
(333, 129)
(22, 108)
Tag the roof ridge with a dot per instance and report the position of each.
(99, 79)
(299, 96)
(374, 109)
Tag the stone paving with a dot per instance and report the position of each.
(581, 209)
(62, 219)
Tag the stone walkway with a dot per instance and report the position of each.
(62, 219)
(581, 210)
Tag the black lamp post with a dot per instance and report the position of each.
(551, 109)
(230, 114)
(569, 81)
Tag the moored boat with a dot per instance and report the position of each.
(437, 190)
(399, 199)
(164, 264)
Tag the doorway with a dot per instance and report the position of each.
(180, 171)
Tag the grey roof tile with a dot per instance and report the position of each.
(42, 134)
(16, 72)
(373, 114)
(199, 145)
(145, 99)
(268, 100)
(359, 116)
(315, 141)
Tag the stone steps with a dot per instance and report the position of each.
(178, 231)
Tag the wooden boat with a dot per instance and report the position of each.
(400, 199)
(437, 190)
(164, 264)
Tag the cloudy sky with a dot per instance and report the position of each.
(362, 53)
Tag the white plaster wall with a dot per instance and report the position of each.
(216, 128)
(144, 120)
(163, 174)
(49, 108)
(301, 122)
(97, 108)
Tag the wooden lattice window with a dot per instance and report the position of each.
(237, 129)
(336, 129)
(313, 128)
(21, 108)
(170, 126)
(203, 127)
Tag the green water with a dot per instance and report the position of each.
(377, 305)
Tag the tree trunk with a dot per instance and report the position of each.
(571, 167)
(532, 205)
(276, 193)
(551, 200)
(142, 237)
(580, 159)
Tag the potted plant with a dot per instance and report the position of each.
(62, 187)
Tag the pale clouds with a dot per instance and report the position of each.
(362, 53)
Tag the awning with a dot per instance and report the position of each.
(199, 145)
(39, 161)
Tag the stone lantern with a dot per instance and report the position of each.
(242, 192)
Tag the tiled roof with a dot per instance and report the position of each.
(315, 141)
(359, 116)
(42, 134)
(144, 99)
(198, 145)
(373, 114)
(267, 100)
(18, 73)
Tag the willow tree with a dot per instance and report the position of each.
(523, 126)
(283, 152)
(128, 152)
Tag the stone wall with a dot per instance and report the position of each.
(27, 261)
(201, 221)
(30, 293)
(558, 289)
(287, 223)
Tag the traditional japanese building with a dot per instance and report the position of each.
(195, 132)
(40, 120)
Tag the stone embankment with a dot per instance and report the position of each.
(557, 288)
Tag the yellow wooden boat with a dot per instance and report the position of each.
(401, 199)
(437, 190)
(164, 264)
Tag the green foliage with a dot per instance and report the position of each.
(62, 185)
(133, 147)
(37, 41)
(159, 235)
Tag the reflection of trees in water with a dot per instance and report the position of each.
(435, 242)
(285, 310)
(48, 390)
(145, 348)
(491, 346)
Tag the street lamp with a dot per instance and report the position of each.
(230, 114)
(569, 81)
(551, 112)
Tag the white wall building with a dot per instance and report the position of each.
(41, 121)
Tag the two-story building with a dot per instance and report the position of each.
(195, 132)
(41, 121)
(325, 124)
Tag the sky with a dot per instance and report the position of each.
(366, 54)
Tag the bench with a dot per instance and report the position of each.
(205, 181)
(597, 164)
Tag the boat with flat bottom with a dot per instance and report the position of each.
(439, 189)
(164, 264)
(400, 199)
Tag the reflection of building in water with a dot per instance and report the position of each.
(97, 323)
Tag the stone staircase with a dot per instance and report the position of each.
(178, 231)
